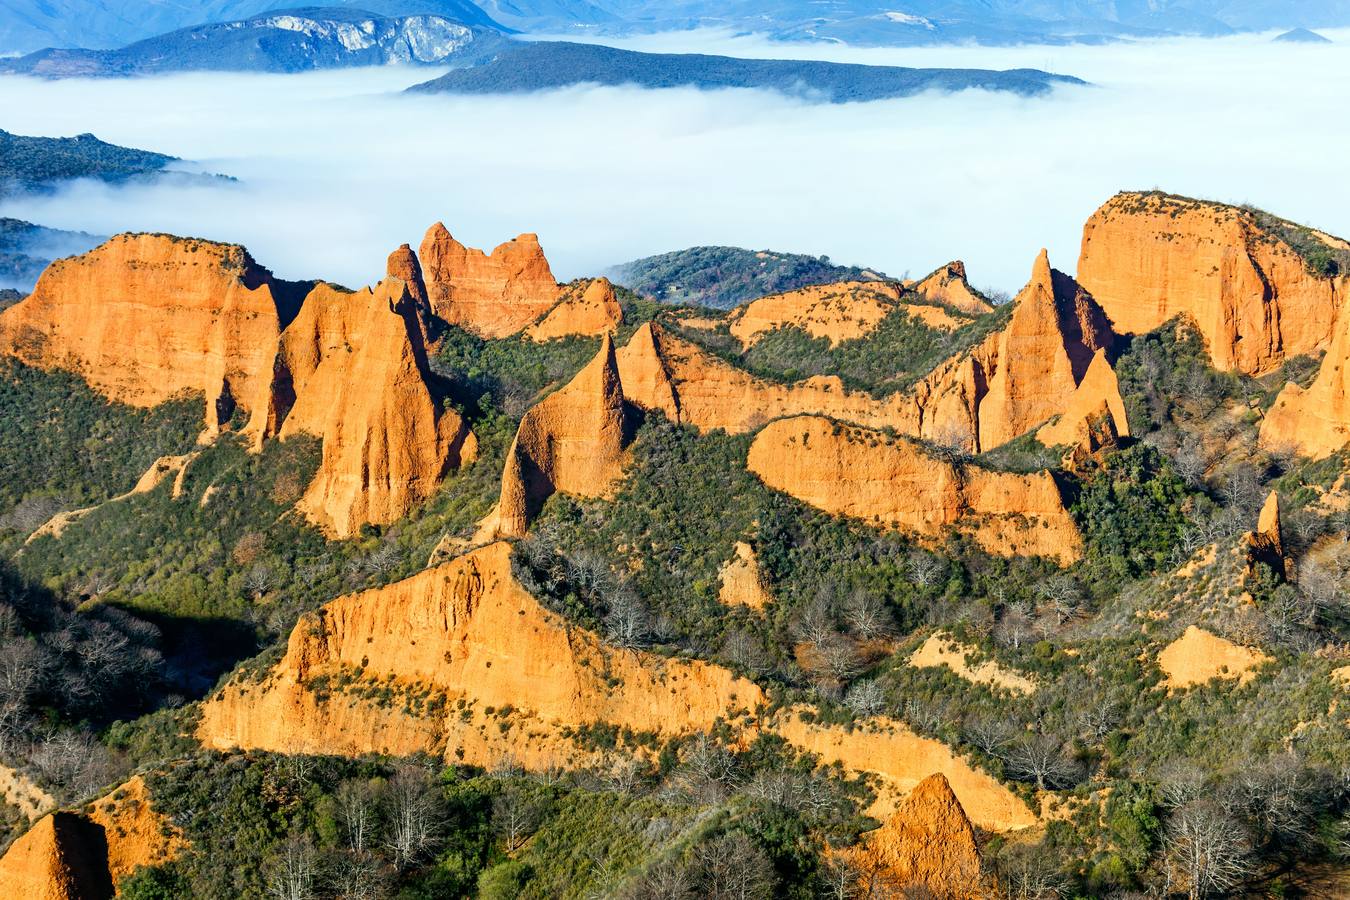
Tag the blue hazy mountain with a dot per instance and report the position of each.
(1302, 36)
(287, 41)
(542, 65)
(26, 249)
(38, 163)
(27, 25)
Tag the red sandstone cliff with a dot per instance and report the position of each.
(493, 295)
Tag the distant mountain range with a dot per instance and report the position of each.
(28, 25)
(26, 249)
(489, 61)
(290, 41)
(548, 64)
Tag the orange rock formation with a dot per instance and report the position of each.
(742, 583)
(1045, 351)
(1147, 257)
(1315, 421)
(144, 317)
(948, 286)
(493, 295)
(902, 759)
(928, 845)
(75, 856)
(1199, 656)
(837, 312)
(356, 367)
(586, 308)
(868, 475)
(1097, 398)
(571, 441)
(1266, 543)
(461, 638)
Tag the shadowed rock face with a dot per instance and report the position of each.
(1147, 258)
(572, 441)
(868, 475)
(1315, 421)
(357, 369)
(77, 856)
(144, 317)
(928, 845)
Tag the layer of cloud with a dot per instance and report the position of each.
(336, 169)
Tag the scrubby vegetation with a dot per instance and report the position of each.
(31, 162)
(724, 277)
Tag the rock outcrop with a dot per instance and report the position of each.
(586, 308)
(843, 311)
(573, 441)
(62, 857)
(1043, 354)
(689, 385)
(82, 855)
(143, 318)
(927, 846)
(1315, 421)
(894, 481)
(1265, 545)
(901, 760)
(942, 650)
(493, 295)
(453, 645)
(1096, 399)
(742, 584)
(1147, 257)
(355, 365)
(949, 287)
(1199, 656)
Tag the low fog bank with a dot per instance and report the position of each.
(336, 169)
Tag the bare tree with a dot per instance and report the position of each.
(358, 876)
(866, 698)
(1205, 850)
(413, 815)
(735, 868)
(516, 814)
(357, 806)
(708, 769)
(993, 735)
(1041, 758)
(292, 871)
(923, 568)
(839, 658)
(1062, 595)
(868, 615)
(1014, 625)
(259, 580)
(628, 621)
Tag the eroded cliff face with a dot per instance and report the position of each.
(948, 286)
(446, 645)
(843, 311)
(493, 295)
(573, 441)
(1046, 350)
(894, 481)
(928, 846)
(662, 371)
(1147, 257)
(356, 367)
(586, 308)
(145, 317)
(1097, 397)
(1199, 656)
(902, 760)
(1315, 421)
(82, 856)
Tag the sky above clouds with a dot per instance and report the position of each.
(336, 169)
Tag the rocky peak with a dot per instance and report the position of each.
(571, 441)
(404, 266)
(1148, 257)
(585, 308)
(948, 285)
(928, 845)
(493, 295)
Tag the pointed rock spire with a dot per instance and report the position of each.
(571, 441)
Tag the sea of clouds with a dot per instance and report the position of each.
(336, 169)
